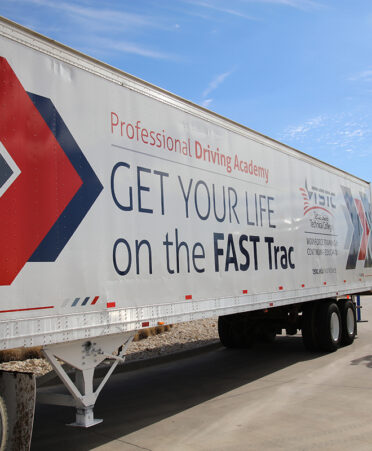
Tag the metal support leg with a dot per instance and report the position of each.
(358, 309)
(84, 356)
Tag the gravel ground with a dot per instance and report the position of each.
(181, 337)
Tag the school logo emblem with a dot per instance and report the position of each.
(317, 199)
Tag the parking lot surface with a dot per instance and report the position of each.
(271, 397)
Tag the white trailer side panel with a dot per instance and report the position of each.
(124, 205)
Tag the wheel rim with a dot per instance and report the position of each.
(335, 326)
(350, 321)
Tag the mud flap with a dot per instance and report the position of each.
(17, 407)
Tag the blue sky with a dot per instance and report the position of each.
(299, 71)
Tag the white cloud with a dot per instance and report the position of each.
(213, 5)
(222, 9)
(297, 130)
(298, 4)
(95, 23)
(352, 133)
(205, 103)
(345, 132)
(100, 15)
(130, 47)
(215, 83)
(365, 75)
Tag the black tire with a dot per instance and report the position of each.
(267, 335)
(4, 426)
(235, 331)
(348, 320)
(329, 326)
(227, 332)
(308, 326)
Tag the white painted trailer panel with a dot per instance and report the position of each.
(124, 206)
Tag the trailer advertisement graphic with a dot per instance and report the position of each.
(357, 215)
(46, 184)
(358, 218)
(213, 203)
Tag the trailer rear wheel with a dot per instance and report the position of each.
(236, 331)
(3, 425)
(349, 324)
(329, 326)
(308, 326)
(227, 331)
(267, 335)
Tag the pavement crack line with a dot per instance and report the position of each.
(122, 441)
(132, 444)
(252, 390)
(315, 384)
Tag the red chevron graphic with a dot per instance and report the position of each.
(45, 186)
(366, 231)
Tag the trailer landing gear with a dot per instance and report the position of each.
(84, 356)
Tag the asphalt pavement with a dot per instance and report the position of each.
(271, 397)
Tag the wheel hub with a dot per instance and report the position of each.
(350, 321)
(335, 326)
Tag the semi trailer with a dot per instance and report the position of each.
(124, 206)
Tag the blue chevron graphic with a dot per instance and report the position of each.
(350, 228)
(368, 212)
(357, 229)
(5, 171)
(74, 213)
